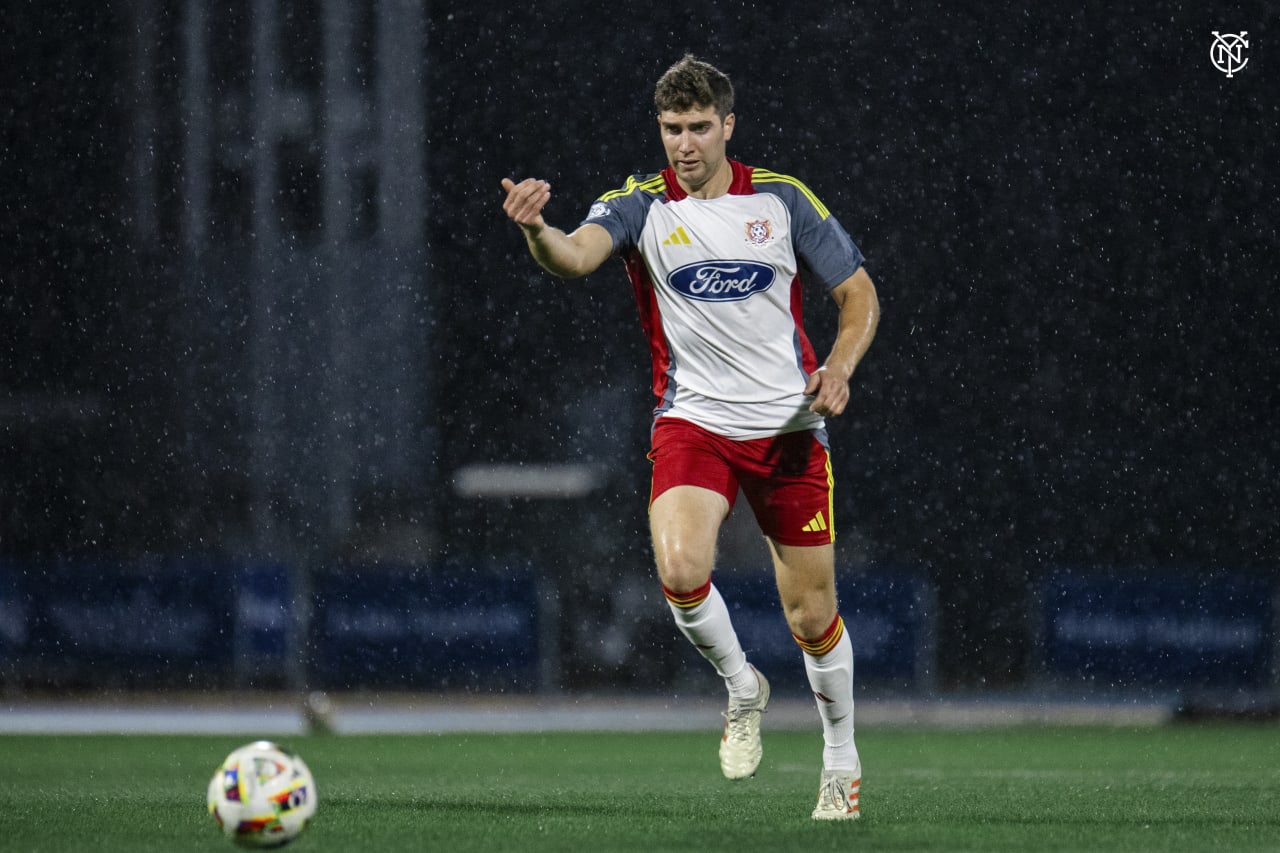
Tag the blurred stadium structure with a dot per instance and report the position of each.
(286, 405)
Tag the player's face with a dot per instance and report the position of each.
(695, 144)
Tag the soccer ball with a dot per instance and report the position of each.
(262, 796)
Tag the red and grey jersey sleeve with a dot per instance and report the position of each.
(829, 251)
(622, 212)
(820, 241)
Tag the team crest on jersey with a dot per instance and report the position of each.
(759, 232)
(597, 210)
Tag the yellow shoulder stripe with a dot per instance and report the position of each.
(652, 184)
(764, 176)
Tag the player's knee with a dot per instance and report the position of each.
(683, 569)
(808, 619)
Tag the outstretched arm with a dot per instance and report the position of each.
(561, 254)
(859, 316)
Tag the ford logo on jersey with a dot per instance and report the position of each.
(721, 281)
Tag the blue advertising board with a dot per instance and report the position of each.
(264, 619)
(888, 613)
(140, 622)
(425, 628)
(1157, 629)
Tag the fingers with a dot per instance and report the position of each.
(830, 396)
(525, 200)
(829, 408)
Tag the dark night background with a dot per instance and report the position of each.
(1069, 215)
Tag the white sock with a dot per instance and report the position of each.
(831, 678)
(704, 620)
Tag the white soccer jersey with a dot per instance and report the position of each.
(718, 288)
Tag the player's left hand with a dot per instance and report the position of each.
(830, 393)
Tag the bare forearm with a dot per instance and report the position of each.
(859, 314)
(561, 254)
(554, 251)
(859, 317)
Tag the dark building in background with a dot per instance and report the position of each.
(242, 303)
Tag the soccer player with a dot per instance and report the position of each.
(714, 250)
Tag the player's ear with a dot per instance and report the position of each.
(728, 126)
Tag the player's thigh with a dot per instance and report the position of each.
(684, 522)
(806, 579)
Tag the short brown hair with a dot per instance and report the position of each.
(694, 84)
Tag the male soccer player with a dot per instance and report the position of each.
(713, 249)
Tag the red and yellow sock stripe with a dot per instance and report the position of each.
(687, 600)
(819, 647)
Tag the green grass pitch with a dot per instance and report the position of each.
(1175, 788)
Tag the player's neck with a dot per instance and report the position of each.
(715, 186)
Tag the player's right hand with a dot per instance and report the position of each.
(525, 201)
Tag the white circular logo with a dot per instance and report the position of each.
(1227, 52)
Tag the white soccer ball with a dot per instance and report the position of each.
(262, 796)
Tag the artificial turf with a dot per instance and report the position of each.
(1182, 787)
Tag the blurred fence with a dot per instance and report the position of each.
(493, 627)
(207, 624)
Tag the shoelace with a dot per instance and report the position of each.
(740, 715)
(833, 793)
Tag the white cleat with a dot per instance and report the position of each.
(838, 795)
(740, 748)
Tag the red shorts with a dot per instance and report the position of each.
(786, 478)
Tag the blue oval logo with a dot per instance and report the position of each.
(721, 281)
